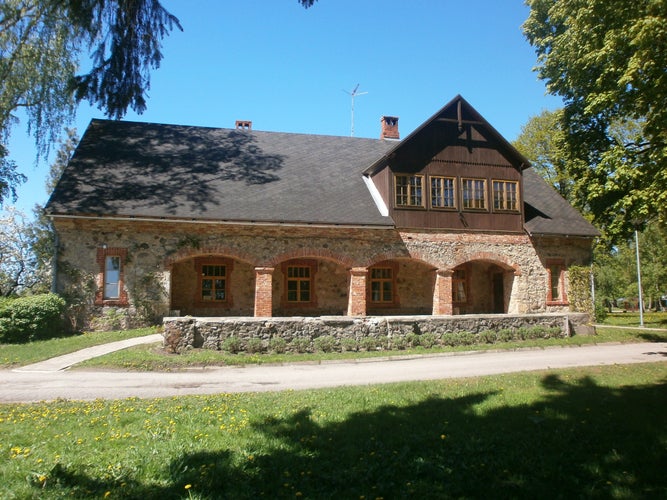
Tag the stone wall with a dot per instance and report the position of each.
(182, 333)
(158, 270)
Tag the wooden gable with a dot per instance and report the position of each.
(454, 172)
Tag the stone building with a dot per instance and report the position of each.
(159, 220)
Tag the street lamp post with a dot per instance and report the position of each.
(639, 281)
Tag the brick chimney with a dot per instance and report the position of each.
(389, 127)
(243, 125)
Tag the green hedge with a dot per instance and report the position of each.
(35, 317)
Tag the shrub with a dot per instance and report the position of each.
(580, 290)
(427, 340)
(487, 337)
(278, 345)
(349, 345)
(254, 346)
(232, 345)
(325, 343)
(30, 318)
(399, 342)
(454, 339)
(412, 339)
(370, 343)
(505, 335)
(300, 344)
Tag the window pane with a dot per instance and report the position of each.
(375, 291)
(474, 193)
(554, 271)
(409, 190)
(213, 283)
(442, 192)
(112, 277)
(111, 291)
(386, 291)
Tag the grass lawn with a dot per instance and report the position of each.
(595, 432)
(12, 355)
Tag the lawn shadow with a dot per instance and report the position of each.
(580, 440)
(654, 337)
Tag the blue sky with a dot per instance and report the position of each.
(287, 69)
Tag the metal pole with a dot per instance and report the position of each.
(639, 282)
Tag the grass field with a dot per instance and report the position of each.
(594, 433)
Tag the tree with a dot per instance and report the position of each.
(27, 246)
(41, 42)
(607, 60)
(17, 261)
(542, 141)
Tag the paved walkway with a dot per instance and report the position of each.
(66, 360)
(51, 380)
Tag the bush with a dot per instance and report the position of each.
(412, 339)
(300, 344)
(278, 345)
(254, 346)
(487, 337)
(36, 317)
(232, 345)
(349, 345)
(427, 340)
(399, 342)
(325, 343)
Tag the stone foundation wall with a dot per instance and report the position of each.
(182, 333)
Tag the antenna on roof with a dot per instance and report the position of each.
(353, 94)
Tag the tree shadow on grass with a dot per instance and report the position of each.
(580, 440)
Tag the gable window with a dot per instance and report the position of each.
(213, 275)
(460, 286)
(111, 277)
(443, 192)
(505, 196)
(556, 277)
(409, 190)
(298, 283)
(382, 285)
(474, 194)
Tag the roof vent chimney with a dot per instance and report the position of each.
(389, 127)
(243, 125)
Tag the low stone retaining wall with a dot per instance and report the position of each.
(370, 332)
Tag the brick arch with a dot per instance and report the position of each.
(498, 259)
(216, 250)
(312, 253)
(414, 258)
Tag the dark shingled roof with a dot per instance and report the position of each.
(129, 169)
(548, 213)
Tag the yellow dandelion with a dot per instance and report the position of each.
(188, 486)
